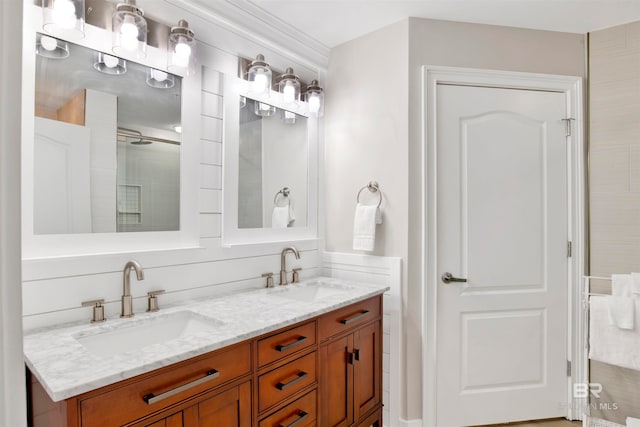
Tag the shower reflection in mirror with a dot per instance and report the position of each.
(106, 148)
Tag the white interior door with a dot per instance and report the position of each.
(61, 182)
(502, 224)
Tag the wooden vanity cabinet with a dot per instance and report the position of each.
(351, 360)
(321, 372)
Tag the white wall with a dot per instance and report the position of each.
(12, 384)
(374, 122)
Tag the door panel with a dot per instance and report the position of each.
(336, 384)
(502, 224)
(231, 408)
(366, 373)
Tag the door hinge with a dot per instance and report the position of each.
(568, 368)
(567, 123)
(569, 249)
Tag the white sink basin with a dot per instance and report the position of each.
(309, 292)
(137, 334)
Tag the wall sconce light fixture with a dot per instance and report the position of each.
(315, 98)
(181, 49)
(259, 77)
(109, 64)
(289, 86)
(52, 48)
(288, 117)
(129, 30)
(160, 79)
(264, 110)
(63, 18)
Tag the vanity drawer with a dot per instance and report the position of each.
(346, 318)
(285, 343)
(120, 405)
(286, 380)
(300, 413)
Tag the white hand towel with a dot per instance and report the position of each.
(280, 217)
(621, 312)
(635, 285)
(291, 215)
(609, 344)
(633, 422)
(621, 285)
(364, 227)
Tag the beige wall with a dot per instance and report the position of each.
(614, 180)
(373, 120)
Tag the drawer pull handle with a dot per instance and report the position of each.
(301, 375)
(301, 417)
(354, 317)
(289, 346)
(151, 398)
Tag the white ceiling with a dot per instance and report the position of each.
(333, 22)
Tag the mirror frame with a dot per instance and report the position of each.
(60, 245)
(235, 87)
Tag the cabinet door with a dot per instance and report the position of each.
(174, 420)
(231, 408)
(367, 367)
(336, 385)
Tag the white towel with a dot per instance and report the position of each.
(621, 285)
(635, 285)
(622, 312)
(280, 217)
(608, 343)
(633, 422)
(364, 227)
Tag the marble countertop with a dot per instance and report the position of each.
(66, 368)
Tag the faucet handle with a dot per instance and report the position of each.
(269, 277)
(98, 309)
(152, 302)
(296, 276)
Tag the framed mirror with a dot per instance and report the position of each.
(270, 176)
(106, 143)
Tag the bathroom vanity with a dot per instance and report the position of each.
(299, 355)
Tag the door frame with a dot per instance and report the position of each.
(572, 87)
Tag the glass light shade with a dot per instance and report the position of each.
(160, 79)
(63, 18)
(288, 117)
(259, 77)
(264, 110)
(182, 46)
(315, 99)
(51, 48)
(289, 86)
(129, 31)
(109, 64)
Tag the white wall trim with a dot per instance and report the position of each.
(12, 370)
(386, 270)
(572, 87)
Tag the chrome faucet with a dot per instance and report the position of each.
(283, 263)
(127, 306)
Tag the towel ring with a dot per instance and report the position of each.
(285, 193)
(374, 188)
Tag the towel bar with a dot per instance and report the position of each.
(285, 193)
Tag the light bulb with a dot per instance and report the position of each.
(289, 93)
(314, 103)
(158, 75)
(181, 55)
(177, 128)
(260, 83)
(64, 14)
(109, 61)
(129, 35)
(48, 43)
